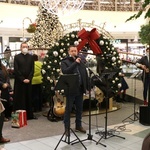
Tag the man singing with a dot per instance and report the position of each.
(73, 65)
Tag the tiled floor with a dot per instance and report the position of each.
(129, 131)
(132, 131)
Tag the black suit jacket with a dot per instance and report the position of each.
(144, 61)
(23, 67)
(69, 66)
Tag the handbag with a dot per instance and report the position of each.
(18, 119)
(2, 108)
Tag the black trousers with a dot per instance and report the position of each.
(146, 83)
(1, 123)
(37, 97)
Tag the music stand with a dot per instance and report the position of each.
(135, 75)
(90, 136)
(69, 83)
(107, 74)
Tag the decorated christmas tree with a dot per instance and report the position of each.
(48, 29)
(51, 64)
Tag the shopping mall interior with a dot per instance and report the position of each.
(118, 126)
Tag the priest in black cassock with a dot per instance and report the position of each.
(24, 70)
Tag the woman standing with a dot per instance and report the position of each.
(2, 139)
(5, 91)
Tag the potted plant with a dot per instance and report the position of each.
(31, 28)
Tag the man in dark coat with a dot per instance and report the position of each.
(23, 69)
(73, 65)
(144, 64)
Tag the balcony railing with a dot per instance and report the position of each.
(99, 5)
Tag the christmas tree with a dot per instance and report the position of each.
(48, 29)
(51, 64)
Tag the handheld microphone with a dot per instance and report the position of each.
(77, 56)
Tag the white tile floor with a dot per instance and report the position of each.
(131, 142)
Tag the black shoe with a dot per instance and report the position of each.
(3, 140)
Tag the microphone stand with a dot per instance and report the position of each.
(135, 114)
(90, 136)
(68, 83)
(106, 134)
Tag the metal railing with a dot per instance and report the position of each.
(7, 57)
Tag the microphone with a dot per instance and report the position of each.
(72, 57)
(76, 59)
(76, 56)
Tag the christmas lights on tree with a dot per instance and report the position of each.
(48, 30)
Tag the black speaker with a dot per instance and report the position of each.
(144, 117)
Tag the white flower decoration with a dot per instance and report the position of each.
(55, 53)
(43, 71)
(101, 42)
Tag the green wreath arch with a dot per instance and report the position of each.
(51, 63)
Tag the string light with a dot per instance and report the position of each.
(63, 7)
